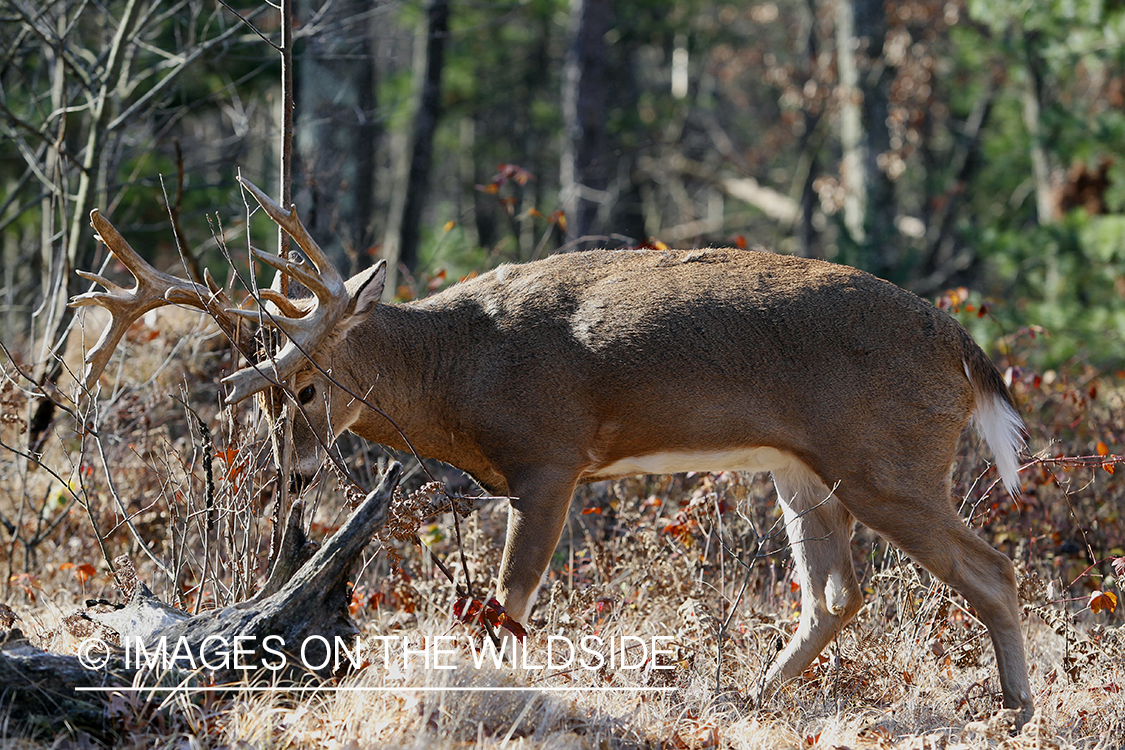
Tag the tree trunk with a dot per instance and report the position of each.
(851, 123)
(40, 696)
(808, 167)
(337, 133)
(865, 80)
(1032, 105)
(405, 226)
(584, 172)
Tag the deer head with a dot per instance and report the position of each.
(321, 398)
(313, 327)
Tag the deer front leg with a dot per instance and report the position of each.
(819, 530)
(536, 518)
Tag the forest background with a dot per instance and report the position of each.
(966, 150)
(937, 144)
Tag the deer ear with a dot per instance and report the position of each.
(365, 289)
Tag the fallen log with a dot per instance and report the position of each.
(305, 600)
(40, 693)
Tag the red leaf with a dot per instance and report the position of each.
(356, 603)
(513, 627)
(474, 611)
(466, 610)
(1100, 600)
(435, 283)
(588, 511)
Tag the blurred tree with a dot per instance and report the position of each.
(404, 229)
(584, 175)
(75, 79)
(865, 79)
(338, 127)
(811, 138)
(78, 83)
(935, 142)
(1046, 209)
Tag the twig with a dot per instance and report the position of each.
(66, 485)
(127, 519)
(207, 449)
(190, 260)
(251, 26)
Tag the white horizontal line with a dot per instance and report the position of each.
(374, 689)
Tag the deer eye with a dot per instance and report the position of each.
(306, 394)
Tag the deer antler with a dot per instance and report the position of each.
(305, 329)
(153, 289)
(306, 332)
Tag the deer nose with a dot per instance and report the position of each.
(297, 483)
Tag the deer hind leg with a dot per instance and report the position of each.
(536, 518)
(819, 528)
(932, 533)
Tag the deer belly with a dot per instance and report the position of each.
(673, 462)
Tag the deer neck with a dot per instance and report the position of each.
(406, 361)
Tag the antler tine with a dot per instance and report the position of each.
(297, 269)
(283, 303)
(305, 332)
(292, 225)
(153, 289)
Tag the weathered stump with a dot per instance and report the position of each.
(306, 597)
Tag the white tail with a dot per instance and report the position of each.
(1001, 427)
(534, 378)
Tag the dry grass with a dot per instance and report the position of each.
(670, 556)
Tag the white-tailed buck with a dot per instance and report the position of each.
(589, 366)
